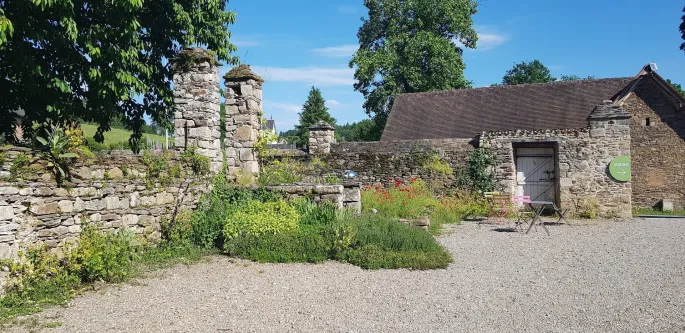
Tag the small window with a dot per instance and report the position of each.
(648, 122)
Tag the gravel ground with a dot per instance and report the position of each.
(602, 277)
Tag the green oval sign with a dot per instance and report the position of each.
(620, 168)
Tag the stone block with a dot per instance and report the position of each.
(66, 206)
(94, 205)
(5, 190)
(245, 90)
(354, 206)
(130, 219)
(111, 203)
(246, 154)
(26, 191)
(97, 217)
(133, 199)
(565, 182)
(79, 205)
(43, 192)
(164, 198)
(110, 217)
(60, 192)
(667, 205)
(6, 212)
(245, 133)
(46, 209)
(116, 173)
(352, 194)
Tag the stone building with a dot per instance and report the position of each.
(556, 141)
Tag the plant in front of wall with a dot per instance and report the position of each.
(437, 166)
(479, 175)
(198, 163)
(158, 169)
(3, 158)
(53, 148)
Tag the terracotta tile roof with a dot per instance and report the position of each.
(467, 112)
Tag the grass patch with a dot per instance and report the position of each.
(120, 137)
(651, 211)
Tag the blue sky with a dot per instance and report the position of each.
(299, 43)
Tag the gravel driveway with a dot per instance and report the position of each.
(603, 277)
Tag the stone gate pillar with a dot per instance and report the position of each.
(243, 110)
(196, 97)
(321, 136)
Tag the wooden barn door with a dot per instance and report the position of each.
(535, 173)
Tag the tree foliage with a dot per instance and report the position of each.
(682, 31)
(313, 110)
(574, 78)
(528, 72)
(409, 46)
(365, 130)
(677, 87)
(98, 60)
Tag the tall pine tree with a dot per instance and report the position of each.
(313, 111)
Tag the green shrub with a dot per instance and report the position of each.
(286, 171)
(20, 166)
(105, 256)
(374, 257)
(312, 214)
(198, 163)
(258, 218)
(435, 165)
(290, 246)
(380, 242)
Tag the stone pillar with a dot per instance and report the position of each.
(243, 110)
(610, 138)
(196, 98)
(321, 136)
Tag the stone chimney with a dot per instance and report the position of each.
(609, 119)
(321, 136)
(196, 97)
(243, 109)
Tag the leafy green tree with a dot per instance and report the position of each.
(365, 130)
(99, 60)
(409, 46)
(313, 111)
(575, 78)
(682, 31)
(528, 72)
(677, 87)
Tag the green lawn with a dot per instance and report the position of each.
(117, 136)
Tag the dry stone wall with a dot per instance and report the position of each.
(346, 195)
(112, 192)
(385, 162)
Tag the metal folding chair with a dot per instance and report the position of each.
(522, 213)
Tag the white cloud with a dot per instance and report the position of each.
(331, 103)
(341, 51)
(244, 42)
(287, 107)
(488, 39)
(310, 75)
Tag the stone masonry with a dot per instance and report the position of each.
(196, 96)
(321, 136)
(657, 133)
(113, 193)
(346, 195)
(243, 114)
(583, 157)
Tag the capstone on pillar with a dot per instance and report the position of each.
(243, 111)
(321, 136)
(196, 99)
